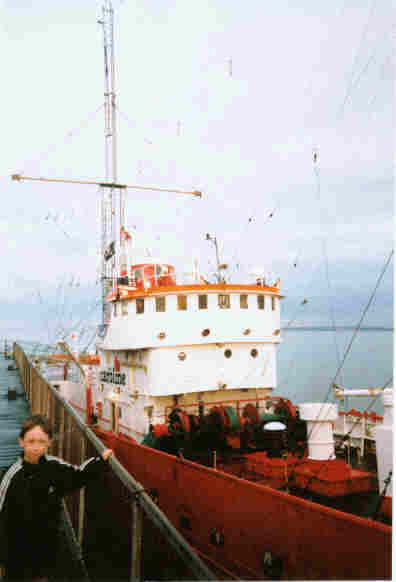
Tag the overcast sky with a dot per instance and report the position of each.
(227, 97)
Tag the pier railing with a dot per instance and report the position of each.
(122, 532)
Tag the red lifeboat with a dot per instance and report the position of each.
(150, 275)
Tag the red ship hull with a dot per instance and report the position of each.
(244, 526)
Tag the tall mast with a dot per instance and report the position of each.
(111, 220)
(112, 209)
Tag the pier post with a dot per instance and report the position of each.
(136, 535)
(61, 435)
(47, 404)
(67, 438)
(81, 506)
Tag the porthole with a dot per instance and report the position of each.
(161, 335)
(228, 353)
(205, 332)
(254, 353)
(182, 356)
(247, 331)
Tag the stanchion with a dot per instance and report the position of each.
(81, 506)
(137, 529)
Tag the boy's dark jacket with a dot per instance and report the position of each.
(30, 505)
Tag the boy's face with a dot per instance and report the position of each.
(35, 444)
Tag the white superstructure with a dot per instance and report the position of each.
(188, 344)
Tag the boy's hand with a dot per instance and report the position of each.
(106, 454)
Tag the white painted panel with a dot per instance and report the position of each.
(207, 368)
(185, 327)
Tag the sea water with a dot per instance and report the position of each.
(12, 413)
(309, 359)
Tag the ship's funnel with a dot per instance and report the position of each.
(319, 417)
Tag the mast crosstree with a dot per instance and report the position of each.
(112, 193)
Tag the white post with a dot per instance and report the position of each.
(319, 417)
(384, 442)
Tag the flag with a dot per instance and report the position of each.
(116, 364)
(125, 234)
(110, 251)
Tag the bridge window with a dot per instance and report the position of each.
(243, 301)
(202, 301)
(224, 301)
(139, 305)
(160, 304)
(182, 302)
(124, 308)
(260, 301)
(138, 274)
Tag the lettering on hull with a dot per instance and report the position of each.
(113, 377)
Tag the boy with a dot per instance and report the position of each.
(30, 501)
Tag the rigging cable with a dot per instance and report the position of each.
(325, 256)
(363, 314)
(71, 133)
(251, 219)
(351, 75)
(356, 332)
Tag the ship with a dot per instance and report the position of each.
(182, 386)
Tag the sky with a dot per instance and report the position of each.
(230, 98)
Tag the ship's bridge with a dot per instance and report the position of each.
(189, 337)
(158, 312)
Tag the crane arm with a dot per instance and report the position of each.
(20, 177)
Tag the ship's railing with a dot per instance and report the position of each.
(152, 275)
(122, 532)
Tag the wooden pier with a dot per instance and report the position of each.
(13, 411)
(121, 533)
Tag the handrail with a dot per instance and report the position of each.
(180, 545)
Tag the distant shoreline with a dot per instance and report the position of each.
(338, 328)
